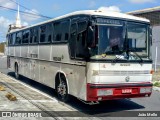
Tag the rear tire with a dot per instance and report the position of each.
(62, 89)
(16, 71)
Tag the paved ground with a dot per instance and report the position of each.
(33, 96)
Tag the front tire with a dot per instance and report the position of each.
(62, 89)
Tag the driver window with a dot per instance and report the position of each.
(81, 38)
(116, 38)
(73, 38)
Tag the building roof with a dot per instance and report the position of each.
(151, 13)
(154, 9)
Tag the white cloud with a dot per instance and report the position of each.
(30, 17)
(141, 1)
(4, 25)
(25, 24)
(92, 4)
(4, 22)
(110, 8)
(7, 3)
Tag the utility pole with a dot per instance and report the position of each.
(155, 60)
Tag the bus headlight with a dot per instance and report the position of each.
(105, 92)
(95, 72)
(148, 90)
(145, 90)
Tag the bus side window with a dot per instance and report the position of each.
(13, 38)
(73, 38)
(58, 33)
(49, 32)
(81, 39)
(31, 35)
(18, 38)
(34, 35)
(25, 36)
(35, 39)
(9, 39)
(65, 30)
(43, 34)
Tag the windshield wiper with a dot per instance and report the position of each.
(119, 57)
(138, 56)
(126, 43)
(114, 60)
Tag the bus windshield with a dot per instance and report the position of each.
(115, 40)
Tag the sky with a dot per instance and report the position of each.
(55, 8)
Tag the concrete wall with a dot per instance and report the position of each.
(156, 43)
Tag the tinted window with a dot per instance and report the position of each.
(43, 34)
(13, 38)
(65, 30)
(25, 36)
(58, 31)
(31, 35)
(34, 35)
(49, 32)
(9, 39)
(82, 26)
(81, 38)
(73, 38)
(18, 38)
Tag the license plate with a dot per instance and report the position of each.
(126, 90)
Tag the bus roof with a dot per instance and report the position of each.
(92, 12)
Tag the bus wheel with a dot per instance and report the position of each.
(16, 71)
(61, 89)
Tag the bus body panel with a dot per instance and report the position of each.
(25, 51)
(76, 77)
(17, 51)
(32, 51)
(44, 70)
(44, 52)
(118, 77)
(11, 51)
(116, 73)
(79, 76)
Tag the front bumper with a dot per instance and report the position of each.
(117, 91)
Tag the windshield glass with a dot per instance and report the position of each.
(120, 39)
(137, 38)
(111, 39)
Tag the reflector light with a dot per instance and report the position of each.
(152, 71)
(145, 90)
(105, 92)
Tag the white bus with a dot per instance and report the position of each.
(92, 55)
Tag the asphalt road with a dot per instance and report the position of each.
(101, 110)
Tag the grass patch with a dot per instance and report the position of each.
(156, 76)
(157, 84)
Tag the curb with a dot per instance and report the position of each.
(156, 88)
